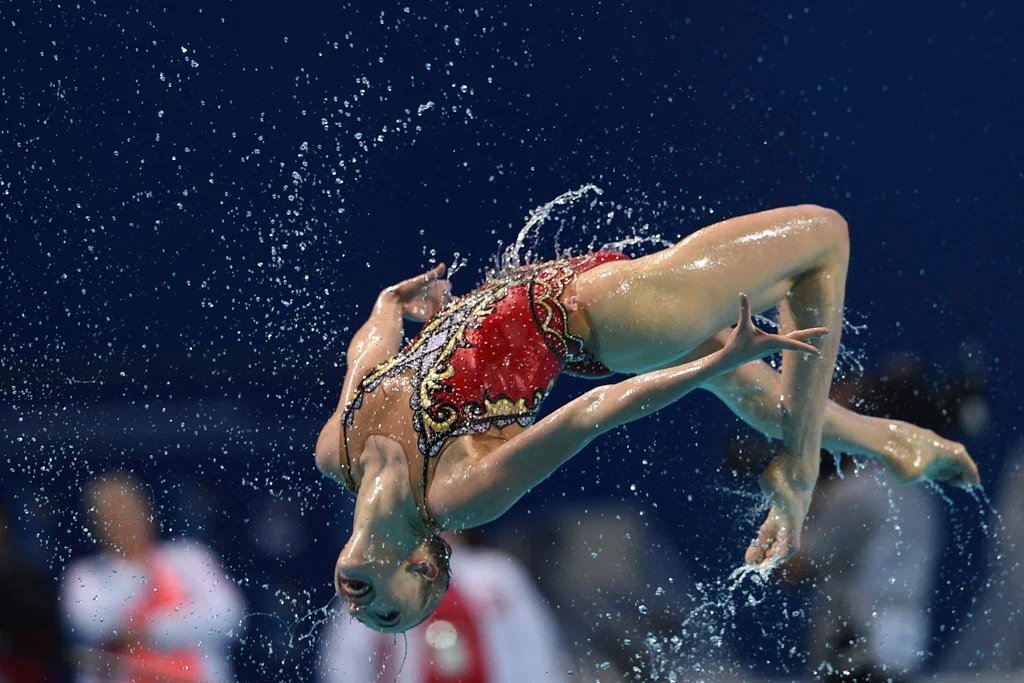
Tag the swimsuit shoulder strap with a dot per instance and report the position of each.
(421, 471)
(344, 455)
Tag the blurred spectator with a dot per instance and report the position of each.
(491, 627)
(145, 610)
(993, 636)
(623, 593)
(873, 547)
(29, 626)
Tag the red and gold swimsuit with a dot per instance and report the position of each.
(487, 359)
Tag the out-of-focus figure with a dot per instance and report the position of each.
(993, 635)
(873, 550)
(144, 610)
(622, 593)
(29, 625)
(492, 626)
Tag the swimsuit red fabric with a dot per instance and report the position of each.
(490, 357)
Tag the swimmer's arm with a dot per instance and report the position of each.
(380, 337)
(485, 487)
(377, 340)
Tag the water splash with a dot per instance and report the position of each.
(656, 239)
(526, 248)
(696, 651)
(514, 256)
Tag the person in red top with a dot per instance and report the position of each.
(441, 434)
(144, 610)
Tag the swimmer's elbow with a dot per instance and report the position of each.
(322, 460)
(594, 411)
(328, 446)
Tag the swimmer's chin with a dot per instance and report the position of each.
(398, 628)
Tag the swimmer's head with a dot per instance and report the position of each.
(391, 593)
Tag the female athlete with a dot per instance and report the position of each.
(440, 434)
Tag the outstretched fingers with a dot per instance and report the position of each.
(431, 275)
(794, 340)
(969, 475)
(960, 470)
(807, 333)
(744, 309)
(757, 552)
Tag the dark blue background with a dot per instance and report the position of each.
(190, 220)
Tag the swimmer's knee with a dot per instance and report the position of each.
(818, 211)
(831, 226)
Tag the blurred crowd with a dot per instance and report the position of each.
(592, 592)
(138, 609)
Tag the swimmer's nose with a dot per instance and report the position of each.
(356, 609)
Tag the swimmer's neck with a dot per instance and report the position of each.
(385, 512)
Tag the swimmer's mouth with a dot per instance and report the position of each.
(389, 620)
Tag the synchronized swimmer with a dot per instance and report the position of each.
(440, 435)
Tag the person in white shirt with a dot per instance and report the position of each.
(493, 626)
(873, 550)
(143, 609)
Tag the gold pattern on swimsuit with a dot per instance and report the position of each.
(436, 421)
(503, 406)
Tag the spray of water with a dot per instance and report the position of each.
(525, 249)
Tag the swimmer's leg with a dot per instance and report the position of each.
(909, 453)
(815, 299)
(646, 312)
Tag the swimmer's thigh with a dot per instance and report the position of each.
(650, 311)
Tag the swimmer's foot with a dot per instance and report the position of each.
(911, 453)
(779, 536)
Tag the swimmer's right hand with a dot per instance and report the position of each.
(422, 296)
(747, 342)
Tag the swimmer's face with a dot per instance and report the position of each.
(394, 594)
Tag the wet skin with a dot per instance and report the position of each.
(664, 316)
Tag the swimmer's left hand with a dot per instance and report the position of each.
(422, 296)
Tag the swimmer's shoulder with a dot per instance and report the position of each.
(453, 496)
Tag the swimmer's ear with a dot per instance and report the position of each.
(426, 569)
